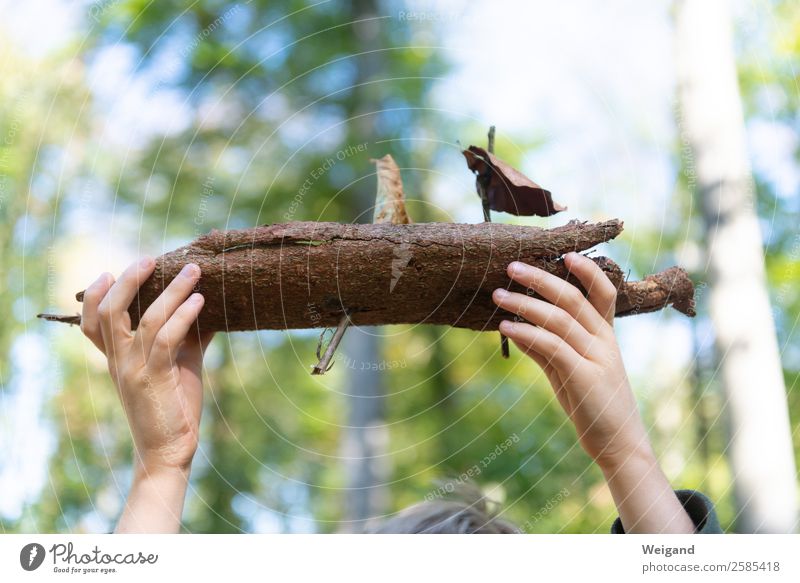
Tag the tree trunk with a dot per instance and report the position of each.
(307, 275)
(365, 437)
(364, 440)
(713, 124)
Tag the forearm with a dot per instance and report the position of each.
(155, 502)
(644, 498)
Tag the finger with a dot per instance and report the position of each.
(560, 293)
(162, 309)
(90, 322)
(602, 293)
(115, 323)
(557, 352)
(191, 354)
(170, 337)
(552, 376)
(546, 315)
(547, 368)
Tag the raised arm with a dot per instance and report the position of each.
(572, 338)
(158, 374)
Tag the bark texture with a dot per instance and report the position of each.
(307, 275)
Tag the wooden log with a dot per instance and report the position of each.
(308, 274)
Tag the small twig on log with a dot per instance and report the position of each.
(482, 184)
(76, 319)
(320, 340)
(487, 216)
(325, 363)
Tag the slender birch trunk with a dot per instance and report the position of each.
(712, 121)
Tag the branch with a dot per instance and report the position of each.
(309, 275)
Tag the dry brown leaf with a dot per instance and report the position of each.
(509, 190)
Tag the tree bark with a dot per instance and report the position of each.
(712, 123)
(306, 275)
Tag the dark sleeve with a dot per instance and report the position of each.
(699, 508)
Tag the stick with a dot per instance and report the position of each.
(325, 364)
(487, 216)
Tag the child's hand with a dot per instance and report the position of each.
(572, 339)
(157, 369)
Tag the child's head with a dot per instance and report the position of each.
(467, 512)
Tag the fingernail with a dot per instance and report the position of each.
(518, 268)
(506, 326)
(190, 270)
(500, 293)
(196, 298)
(145, 262)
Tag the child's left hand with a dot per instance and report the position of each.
(157, 368)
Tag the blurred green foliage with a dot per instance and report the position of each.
(270, 91)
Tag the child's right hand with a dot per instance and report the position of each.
(572, 338)
(157, 369)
